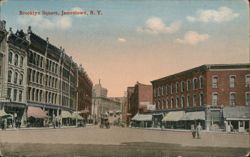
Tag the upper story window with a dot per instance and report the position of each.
(171, 90)
(158, 93)
(9, 93)
(182, 86)
(201, 82)
(232, 81)
(188, 101)
(232, 99)
(194, 100)
(215, 82)
(247, 78)
(188, 85)
(201, 99)
(195, 83)
(177, 102)
(177, 87)
(166, 90)
(248, 98)
(15, 77)
(15, 95)
(10, 57)
(21, 62)
(172, 103)
(9, 76)
(21, 79)
(16, 60)
(155, 91)
(182, 101)
(20, 96)
(162, 90)
(214, 99)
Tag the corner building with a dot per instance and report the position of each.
(36, 74)
(216, 96)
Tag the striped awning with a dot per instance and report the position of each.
(36, 112)
(199, 115)
(174, 116)
(66, 114)
(142, 117)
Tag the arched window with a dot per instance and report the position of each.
(16, 60)
(15, 77)
(10, 57)
(21, 62)
(21, 79)
(9, 75)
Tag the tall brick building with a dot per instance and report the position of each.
(138, 97)
(212, 91)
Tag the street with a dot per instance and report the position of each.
(116, 141)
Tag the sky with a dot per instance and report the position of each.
(139, 40)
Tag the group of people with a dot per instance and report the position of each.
(196, 131)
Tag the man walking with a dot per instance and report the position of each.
(198, 130)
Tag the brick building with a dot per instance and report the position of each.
(138, 97)
(205, 94)
(85, 86)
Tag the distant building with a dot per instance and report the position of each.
(138, 97)
(204, 94)
(101, 104)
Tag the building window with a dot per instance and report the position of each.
(33, 75)
(37, 94)
(188, 101)
(21, 62)
(194, 100)
(172, 103)
(155, 92)
(10, 57)
(15, 95)
(21, 79)
(176, 102)
(195, 83)
(9, 93)
(41, 62)
(201, 82)
(201, 99)
(182, 86)
(182, 101)
(166, 90)
(176, 87)
(167, 103)
(232, 99)
(248, 98)
(159, 91)
(9, 75)
(215, 82)
(15, 77)
(232, 81)
(33, 94)
(171, 90)
(214, 99)
(20, 95)
(188, 85)
(162, 90)
(40, 95)
(16, 60)
(41, 78)
(37, 77)
(247, 80)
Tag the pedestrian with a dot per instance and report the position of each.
(193, 130)
(198, 131)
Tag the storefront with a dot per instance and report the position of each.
(142, 120)
(237, 118)
(157, 119)
(172, 120)
(36, 117)
(193, 118)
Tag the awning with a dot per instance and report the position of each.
(142, 117)
(199, 115)
(4, 114)
(77, 116)
(237, 113)
(174, 116)
(36, 112)
(66, 114)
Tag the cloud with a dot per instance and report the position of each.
(222, 14)
(193, 38)
(122, 40)
(155, 25)
(42, 22)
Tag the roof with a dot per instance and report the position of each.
(238, 112)
(174, 116)
(204, 68)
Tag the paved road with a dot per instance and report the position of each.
(94, 141)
